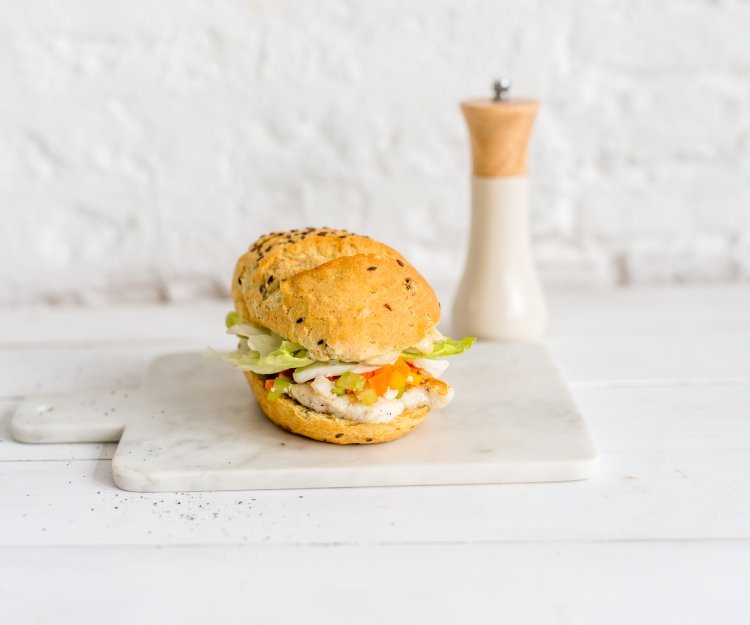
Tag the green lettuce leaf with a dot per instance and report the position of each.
(265, 352)
(441, 349)
(232, 319)
(260, 350)
(288, 356)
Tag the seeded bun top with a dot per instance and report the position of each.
(340, 295)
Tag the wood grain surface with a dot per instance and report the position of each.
(499, 134)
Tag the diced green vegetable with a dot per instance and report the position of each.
(280, 385)
(367, 396)
(350, 381)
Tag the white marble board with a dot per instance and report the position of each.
(195, 426)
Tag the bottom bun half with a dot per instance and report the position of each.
(296, 418)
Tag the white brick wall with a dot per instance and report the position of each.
(144, 143)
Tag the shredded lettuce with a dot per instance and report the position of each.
(441, 349)
(260, 350)
(265, 352)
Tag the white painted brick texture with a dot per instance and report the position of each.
(144, 144)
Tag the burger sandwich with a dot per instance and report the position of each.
(338, 336)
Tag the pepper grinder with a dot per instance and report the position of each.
(500, 296)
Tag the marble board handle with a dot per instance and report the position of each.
(84, 417)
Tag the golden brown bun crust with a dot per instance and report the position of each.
(296, 418)
(340, 295)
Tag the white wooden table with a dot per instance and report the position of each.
(661, 536)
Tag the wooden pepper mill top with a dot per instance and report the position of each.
(499, 129)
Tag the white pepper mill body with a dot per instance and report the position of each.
(500, 296)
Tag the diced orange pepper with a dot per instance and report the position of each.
(379, 381)
(397, 381)
(402, 367)
(269, 385)
(414, 379)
